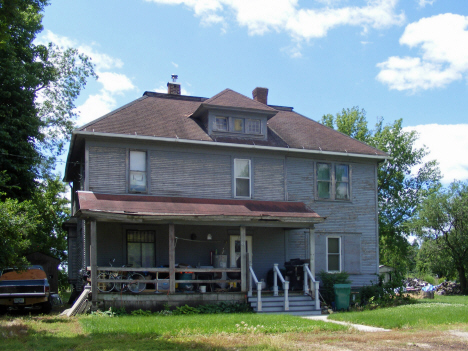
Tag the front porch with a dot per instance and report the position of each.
(228, 248)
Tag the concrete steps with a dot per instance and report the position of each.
(300, 305)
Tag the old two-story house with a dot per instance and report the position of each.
(228, 185)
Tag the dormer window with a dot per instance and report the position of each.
(253, 126)
(221, 124)
(248, 126)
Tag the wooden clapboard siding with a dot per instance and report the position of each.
(268, 248)
(297, 244)
(107, 169)
(300, 179)
(268, 179)
(110, 244)
(189, 174)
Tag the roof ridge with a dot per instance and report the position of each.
(261, 106)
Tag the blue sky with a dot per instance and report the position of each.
(396, 59)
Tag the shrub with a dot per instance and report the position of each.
(140, 312)
(327, 282)
(186, 309)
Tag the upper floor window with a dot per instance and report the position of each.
(137, 172)
(237, 125)
(333, 254)
(333, 181)
(242, 178)
(221, 124)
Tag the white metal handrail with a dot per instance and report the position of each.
(308, 274)
(276, 274)
(259, 288)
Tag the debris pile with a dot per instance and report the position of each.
(448, 288)
(445, 288)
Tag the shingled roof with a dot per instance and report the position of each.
(174, 116)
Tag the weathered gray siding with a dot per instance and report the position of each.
(300, 179)
(268, 179)
(107, 169)
(189, 174)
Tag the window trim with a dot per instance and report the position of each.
(215, 125)
(153, 232)
(333, 181)
(235, 178)
(129, 190)
(230, 121)
(340, 255)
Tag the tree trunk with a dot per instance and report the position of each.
(462, 277)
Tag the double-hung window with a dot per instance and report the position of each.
(333, 254)
(333, 181)
(342, 182)
(137, 172)
(221, 124)
(324, 180)
(242, 178)
(253, 126)
(140, 248)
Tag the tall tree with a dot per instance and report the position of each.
(399, 190)
(33, 127)
(443, 219)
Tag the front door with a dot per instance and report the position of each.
(235, 249)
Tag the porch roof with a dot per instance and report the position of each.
(183, 209)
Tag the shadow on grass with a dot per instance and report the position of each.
(42, 341)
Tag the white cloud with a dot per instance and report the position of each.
(448, 145)
(423, 3)
(443, 43)
(175, 64)
(113, 83)
(261, 16)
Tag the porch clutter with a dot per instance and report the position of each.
(444, 288)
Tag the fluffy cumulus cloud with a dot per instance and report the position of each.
(423, 3)
(442, 42)
(447, 144)
(261, 16)
(112, 82)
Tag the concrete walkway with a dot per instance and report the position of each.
(359, 327)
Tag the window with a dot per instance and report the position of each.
(242, 178)
(140, 248)
(238, 125)
(137, 173)
(333, 181)
(253, 126)
(342, 182)
(221, 124)
(333, 254)
(323, 180)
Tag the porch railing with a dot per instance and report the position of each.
(308, 275)
(259, 288)
(165, 270)
(276, 274)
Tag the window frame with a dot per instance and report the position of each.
(235, 178)
(153, 233)
(339, 254)
(247, 125)
(215, 125)
(333, 182)
(130, 172)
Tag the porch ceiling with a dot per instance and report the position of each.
(144, 208)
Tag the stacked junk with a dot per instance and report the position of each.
(445, 288)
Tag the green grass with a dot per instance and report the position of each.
(193, 332)
(203, 324)
(442, 311)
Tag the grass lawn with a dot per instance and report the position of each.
(443, 312)
(192, 332)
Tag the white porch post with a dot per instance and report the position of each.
(312, 255)
(243, 259)
(93, 262)
(171, 258)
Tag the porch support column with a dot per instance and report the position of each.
(312, 253)
(171, 258)
(243, 259)
(93, 262)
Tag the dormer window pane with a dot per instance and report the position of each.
(238, 125)
(254, 126)
(221, 124)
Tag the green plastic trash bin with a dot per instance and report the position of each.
(342, 296)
